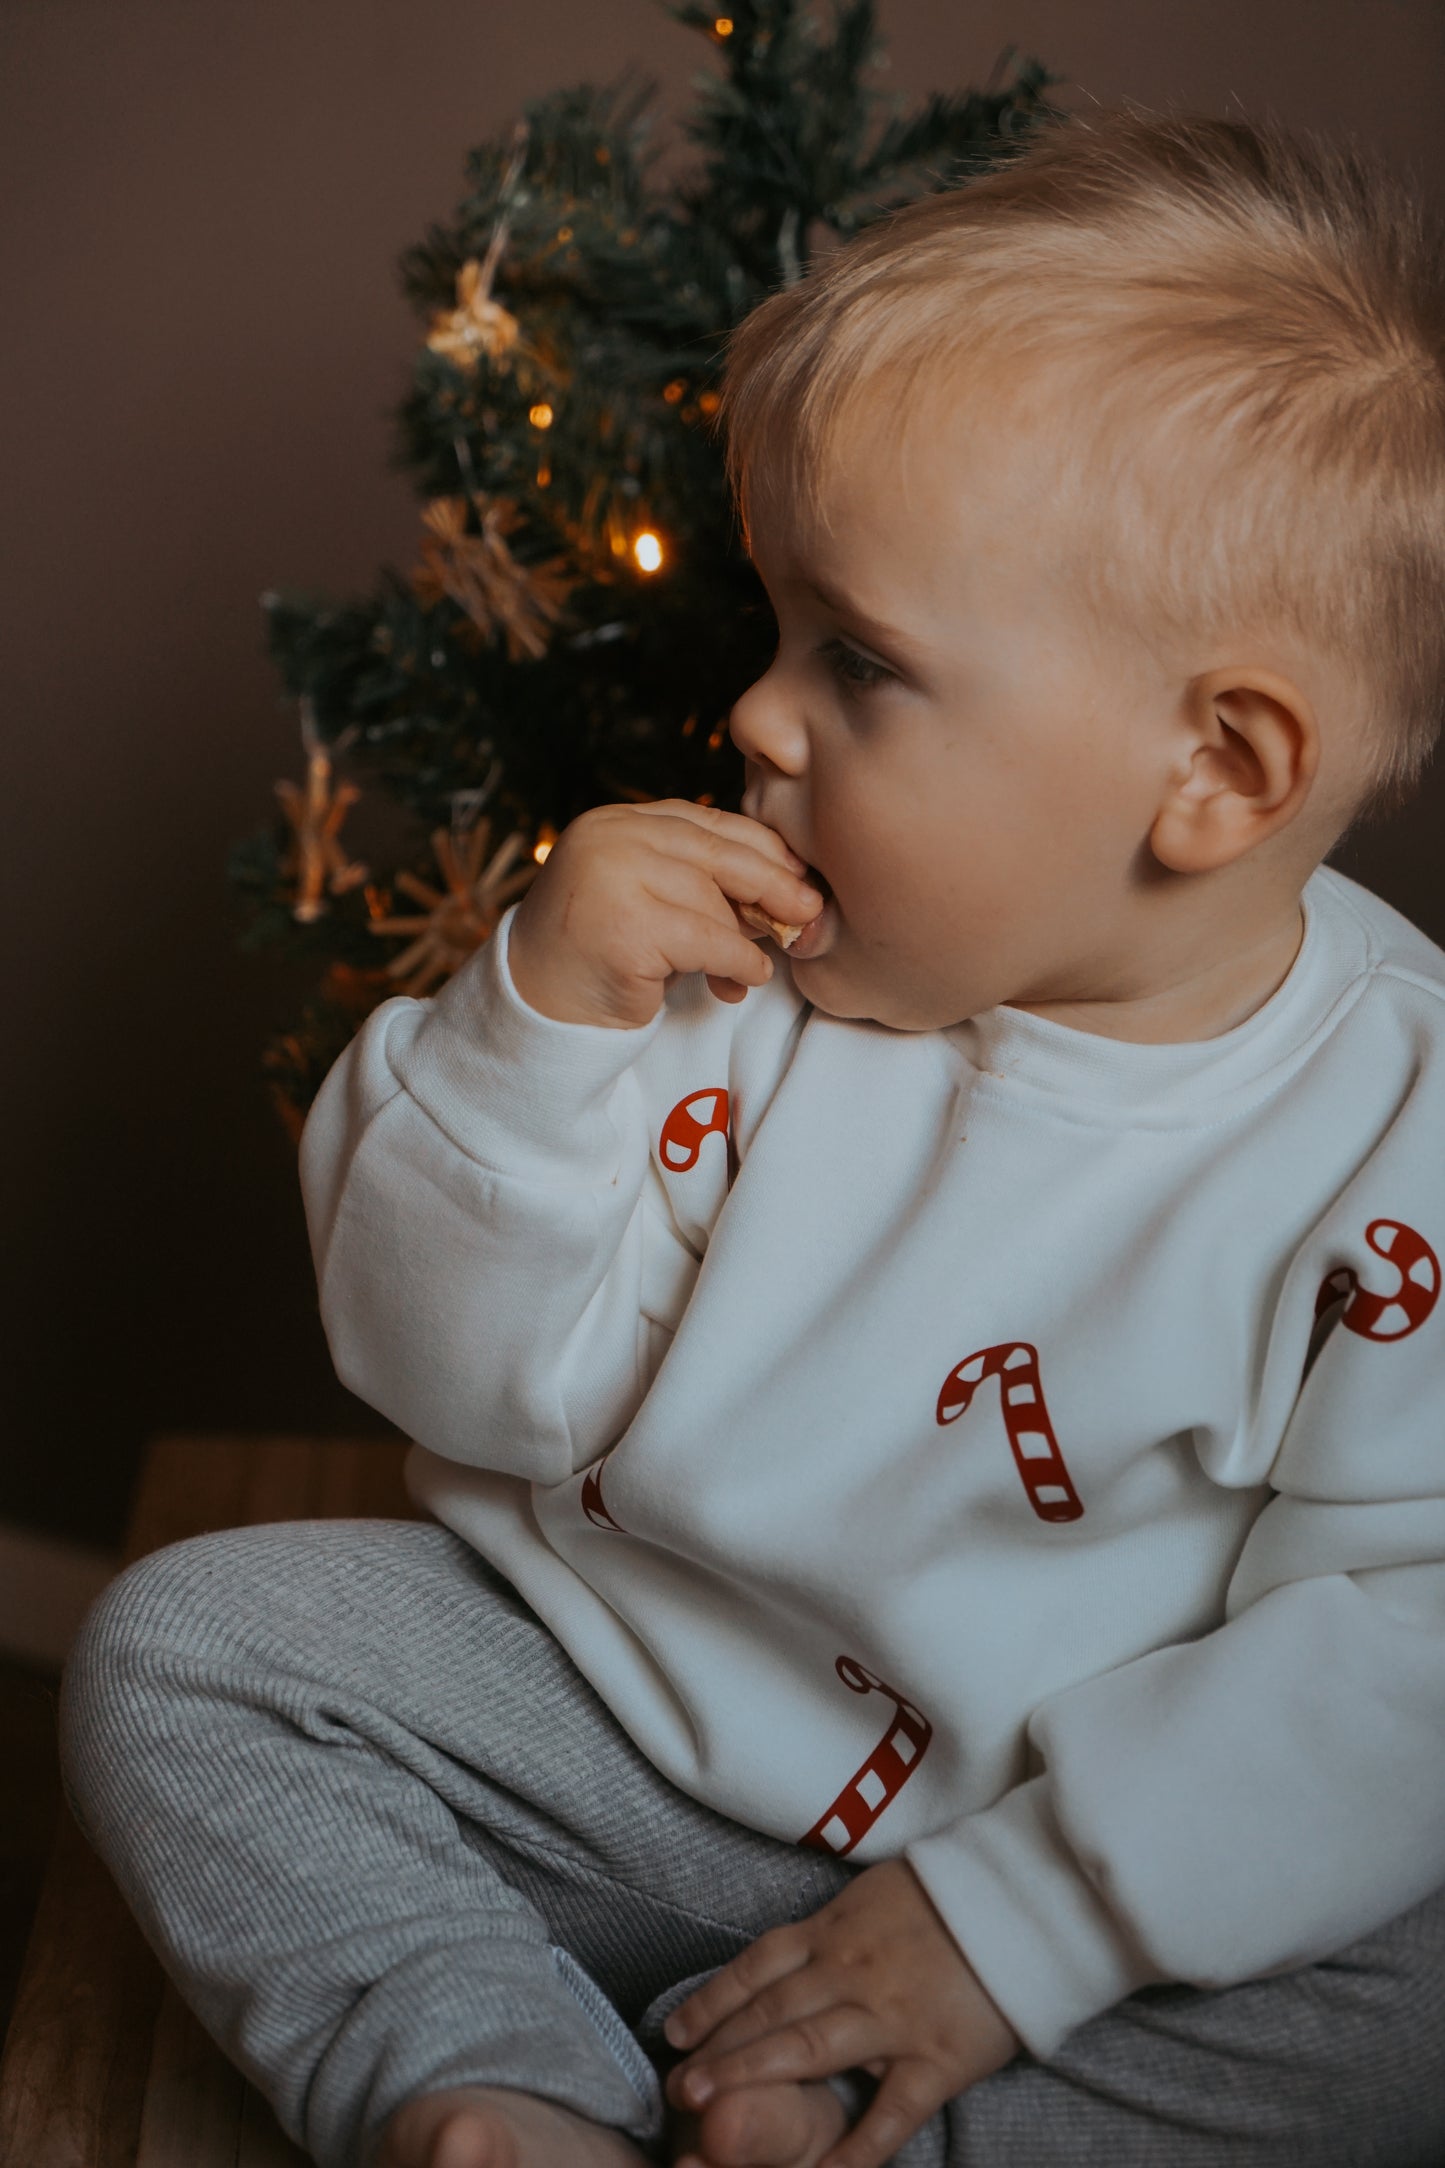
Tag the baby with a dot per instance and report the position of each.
(931, 1640)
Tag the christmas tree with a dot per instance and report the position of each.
(581, 616)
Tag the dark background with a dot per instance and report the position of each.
(203, 204)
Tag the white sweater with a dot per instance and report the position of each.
(914, 1437)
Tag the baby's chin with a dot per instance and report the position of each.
(829, 987)
(860, 983)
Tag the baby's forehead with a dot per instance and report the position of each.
(1034, 453)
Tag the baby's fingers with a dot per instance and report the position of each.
(772, 1957)
(842, 2037)
(738, 826)
(911, 2092)
(751, 864)
(777, 2008)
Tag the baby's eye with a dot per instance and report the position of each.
(856, 671)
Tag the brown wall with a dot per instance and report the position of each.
(203, 204)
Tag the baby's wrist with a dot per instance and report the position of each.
(559, 994)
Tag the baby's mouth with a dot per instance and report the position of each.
(820, 930)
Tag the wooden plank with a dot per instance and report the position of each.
(280, 1480)
(188, 1486)
(73, 2077)
(89, 2079)
(192, 2114)
(361, 1477)
(263, 2142)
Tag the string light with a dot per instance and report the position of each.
(542, 848)
(724, 26)
(648, 551)
(541, 416)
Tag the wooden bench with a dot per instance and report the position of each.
(104, 2067)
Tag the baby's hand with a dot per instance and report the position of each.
(630, 895)
(873, 1981)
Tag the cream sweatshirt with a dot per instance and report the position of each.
(1006, 1447)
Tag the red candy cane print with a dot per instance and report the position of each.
(1036, 1450)
(701, 1114)
(1405, 1308)
(882, 1777)
(593, 1503)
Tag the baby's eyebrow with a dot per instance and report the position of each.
(873, 628)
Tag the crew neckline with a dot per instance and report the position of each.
(1175, 1079)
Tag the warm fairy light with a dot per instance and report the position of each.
(542, 848)
(724, 26)
(648, 552)
(541, 417)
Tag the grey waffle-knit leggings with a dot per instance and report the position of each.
(386, 1839)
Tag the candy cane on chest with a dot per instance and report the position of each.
(882, 1777)
(699, 1116)
(1404, 1309)
(593, 1503)
(693, 1120)
(1036, 1452)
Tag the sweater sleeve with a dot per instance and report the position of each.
(472, 1174)
(1256, 1799)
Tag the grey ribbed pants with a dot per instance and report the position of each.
(386, 1839)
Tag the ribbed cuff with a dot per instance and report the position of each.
(516, 1090)
(1030, 1923)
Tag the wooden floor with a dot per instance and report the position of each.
(103, 2066)
(29, 1797)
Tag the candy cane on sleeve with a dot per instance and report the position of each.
(1035, 1448)
(882, 1777)
(1405, 1307)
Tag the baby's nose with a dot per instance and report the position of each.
(764, 727)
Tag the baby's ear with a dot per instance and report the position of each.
(1250, 753)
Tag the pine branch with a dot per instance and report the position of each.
(581, 396)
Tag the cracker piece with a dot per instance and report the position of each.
(784, 935)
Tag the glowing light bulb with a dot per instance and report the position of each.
(648, 552)
(540, 416)
(723, 25)
(542, 848)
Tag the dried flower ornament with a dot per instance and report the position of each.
(478, 325)
(481, 576)
(316, 862)
(457, 920)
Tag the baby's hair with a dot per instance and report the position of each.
(1248, 327)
